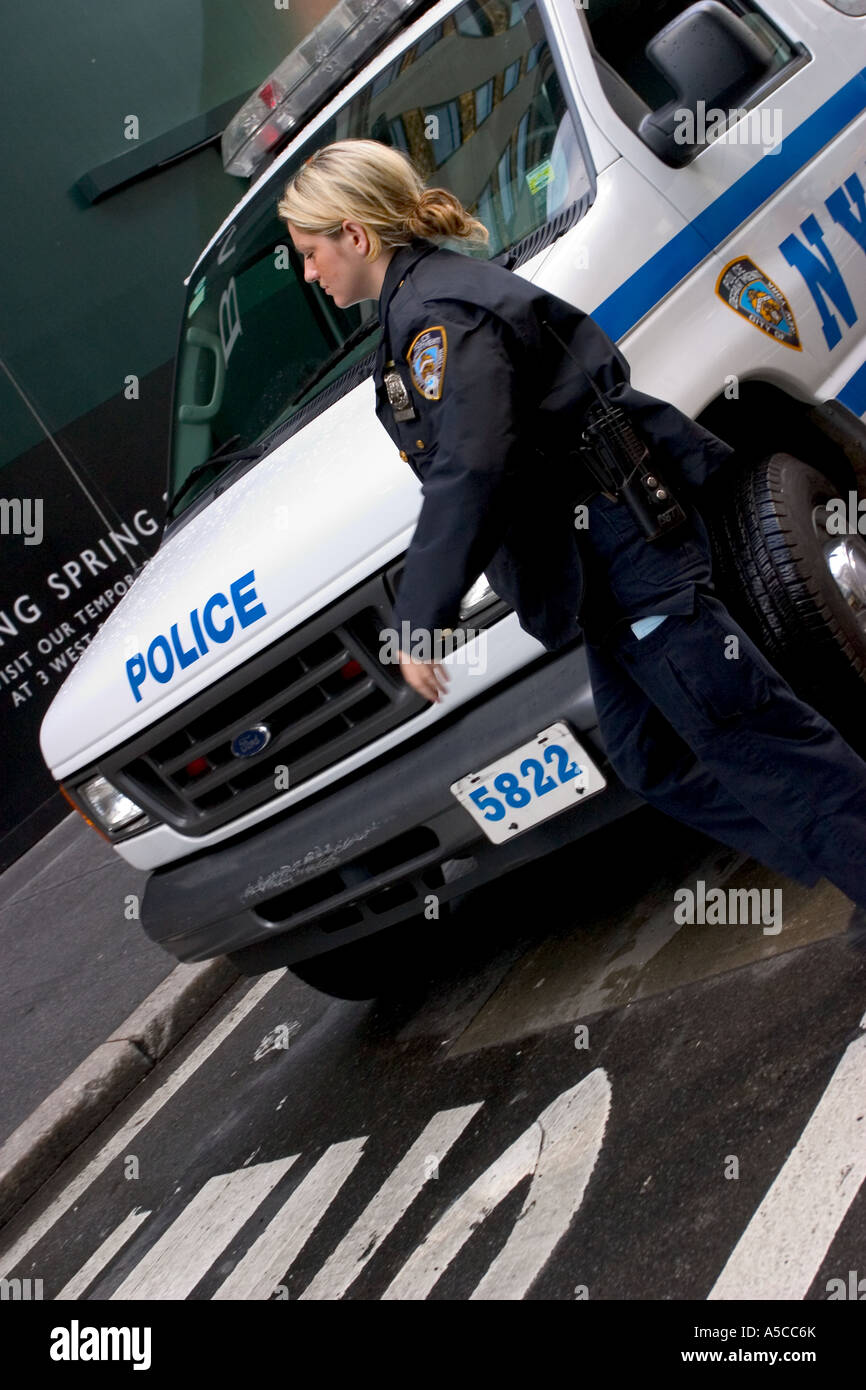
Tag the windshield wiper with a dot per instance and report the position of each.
(355, 337)
(221, 455)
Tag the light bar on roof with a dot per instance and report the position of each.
(311, 74)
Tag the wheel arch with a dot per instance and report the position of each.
(765, 419)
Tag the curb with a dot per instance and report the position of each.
(36, 1149)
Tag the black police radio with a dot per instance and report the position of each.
(619, 462)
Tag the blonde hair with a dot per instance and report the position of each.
(374, 184)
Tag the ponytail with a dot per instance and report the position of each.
(374, 184)
(438, 213)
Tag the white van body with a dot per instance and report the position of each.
(333, 505)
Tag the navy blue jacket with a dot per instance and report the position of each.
(497, 407)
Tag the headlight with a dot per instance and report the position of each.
(112, 810)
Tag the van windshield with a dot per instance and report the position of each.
(477, 104)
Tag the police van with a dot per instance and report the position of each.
(693, 176)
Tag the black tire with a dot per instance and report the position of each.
(771, 548)
(375, 967)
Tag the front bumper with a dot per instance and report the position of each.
(365, 855)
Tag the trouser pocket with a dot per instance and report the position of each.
(718, 678)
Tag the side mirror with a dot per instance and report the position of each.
(711, 57)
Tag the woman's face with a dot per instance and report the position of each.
(338, 263)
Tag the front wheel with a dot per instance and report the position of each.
(797, 583)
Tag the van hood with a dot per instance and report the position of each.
(292, 535)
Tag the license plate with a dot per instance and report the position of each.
(537, 780)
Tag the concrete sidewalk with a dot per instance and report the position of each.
(88, 1002)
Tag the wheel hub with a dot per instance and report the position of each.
(845, 557)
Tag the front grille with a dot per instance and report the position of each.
(357, 890)
(321, 691)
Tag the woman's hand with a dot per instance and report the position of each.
(429, 678)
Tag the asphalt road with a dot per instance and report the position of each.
(576, 1097)
(75, 962)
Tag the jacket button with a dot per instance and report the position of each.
(420, 443)
(404, 456)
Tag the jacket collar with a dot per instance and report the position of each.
(399, 265)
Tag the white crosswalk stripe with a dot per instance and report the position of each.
(258, 1273)
(784, 1244)
(560, 1149)
(392, 1200)
(101, 1258)
(185, 1252)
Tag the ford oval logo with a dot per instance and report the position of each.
(251, 741)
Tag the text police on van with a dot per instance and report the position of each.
(165, 656)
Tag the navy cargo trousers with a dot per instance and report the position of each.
(698, 722)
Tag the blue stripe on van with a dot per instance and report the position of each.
(657, 277)
(853, 393)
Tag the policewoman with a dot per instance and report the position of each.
(484, 382)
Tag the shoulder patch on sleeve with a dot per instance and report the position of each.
(426, 358)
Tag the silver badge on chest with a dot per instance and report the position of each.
(398, 397)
